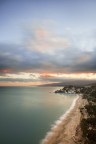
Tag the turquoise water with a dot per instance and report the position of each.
(27, 113)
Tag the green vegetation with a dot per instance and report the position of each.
(88, 112)
(88, 124)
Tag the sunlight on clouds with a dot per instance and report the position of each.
(78, 76)
(44, 38)
(46, 41)
(37, 76)
(22, 75)
(32, 79)
(70, 76)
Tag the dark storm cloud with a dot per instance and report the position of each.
(87, 65)
(69, 60)
(19, 58)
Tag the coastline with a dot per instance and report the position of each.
(64, 128)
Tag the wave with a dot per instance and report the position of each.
(59, 122)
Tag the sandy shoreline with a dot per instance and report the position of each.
(65, 128)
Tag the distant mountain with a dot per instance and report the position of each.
(73, 82)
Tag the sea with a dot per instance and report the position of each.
(27, 114)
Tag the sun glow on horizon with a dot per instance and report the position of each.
(47, 41)
(30, 79)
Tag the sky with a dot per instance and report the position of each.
(46, 41)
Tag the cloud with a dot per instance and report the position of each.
(45, 77)
(63, 77)
(47, 52)
(20, 77)
(45, 40)
(72, 60)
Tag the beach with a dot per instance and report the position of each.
(64, 129)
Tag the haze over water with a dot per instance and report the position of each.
(27, 113)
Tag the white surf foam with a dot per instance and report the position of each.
(58, 122)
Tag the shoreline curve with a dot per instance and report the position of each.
(64, 128)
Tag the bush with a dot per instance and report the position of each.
(91, 110)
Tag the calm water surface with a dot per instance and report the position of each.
(27, 113)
